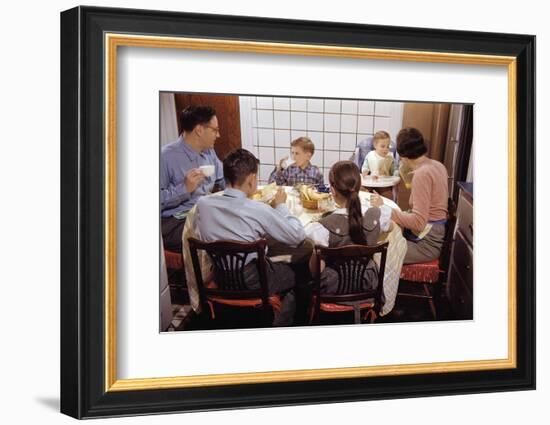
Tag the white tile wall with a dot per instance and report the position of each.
(349, 107)
(332, 122)
(281, 103)
(366, 107)
(265, 172)
(280, 153)
(335, 126)
(349, 123)
(330, 158)
(282, 119)
(381, 122)
(265, 137)
(361, 137)
(315, 105)
(333, 106)
(348, 141)
(365, 124)
(298, 120)
(267, 155)
(294, 134)
(325, 174)
(345, 156)
(282, 138)
(298, 104)
(315, 121)
(332, 141)
(317, 138)
(265, 118)
(264, 103)
(382, 109)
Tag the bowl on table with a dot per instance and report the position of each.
(311, 198)
(309, 203)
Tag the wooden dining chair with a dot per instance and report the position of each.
(226, 284)
(175, 268)
(430, 276)
(350, 263)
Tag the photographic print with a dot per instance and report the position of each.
(253, 189)
(295, 198)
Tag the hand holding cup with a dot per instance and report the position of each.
(376, 200)
(193, 178)
(280, 197)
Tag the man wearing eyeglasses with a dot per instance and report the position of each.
(189, 169)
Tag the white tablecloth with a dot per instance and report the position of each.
(397, 249)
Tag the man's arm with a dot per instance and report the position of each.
(278, 223)
(171, 194)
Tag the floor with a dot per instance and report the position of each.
(407, 309)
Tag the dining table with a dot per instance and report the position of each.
(397, 246)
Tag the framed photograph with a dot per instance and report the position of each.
(279, 87)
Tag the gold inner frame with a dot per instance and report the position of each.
(113, 41)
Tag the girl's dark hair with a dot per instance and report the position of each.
(345, 178)
(410, 143)
(194, 115)
(238, 165)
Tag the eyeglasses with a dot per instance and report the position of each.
(216, 129)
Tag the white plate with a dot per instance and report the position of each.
(382, 181)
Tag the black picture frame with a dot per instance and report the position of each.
(83, 347)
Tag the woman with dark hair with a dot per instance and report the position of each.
(424, 223)
(350, 223)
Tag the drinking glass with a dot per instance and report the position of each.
(406, 173)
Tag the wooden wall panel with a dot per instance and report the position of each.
(227, 112)
(432, 119)
(420, 116)
(439, 130)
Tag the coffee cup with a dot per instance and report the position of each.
(207, 170)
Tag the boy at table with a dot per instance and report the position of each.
(301, 170)
(234, 216)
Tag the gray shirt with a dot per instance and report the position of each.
(176, 159)
(233, 216)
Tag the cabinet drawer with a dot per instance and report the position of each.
(460, 298)
(463, 259)
(465, 218)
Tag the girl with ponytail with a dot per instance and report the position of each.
(351, 223)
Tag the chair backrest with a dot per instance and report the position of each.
(365, 146)
(351, 263)
(445, 256)
(229, 259)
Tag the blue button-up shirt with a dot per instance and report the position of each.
(176, 159)
(232, 216)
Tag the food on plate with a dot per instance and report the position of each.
(266, 193)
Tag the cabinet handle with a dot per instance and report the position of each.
(471, 227)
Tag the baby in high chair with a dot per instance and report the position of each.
(380, 161)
